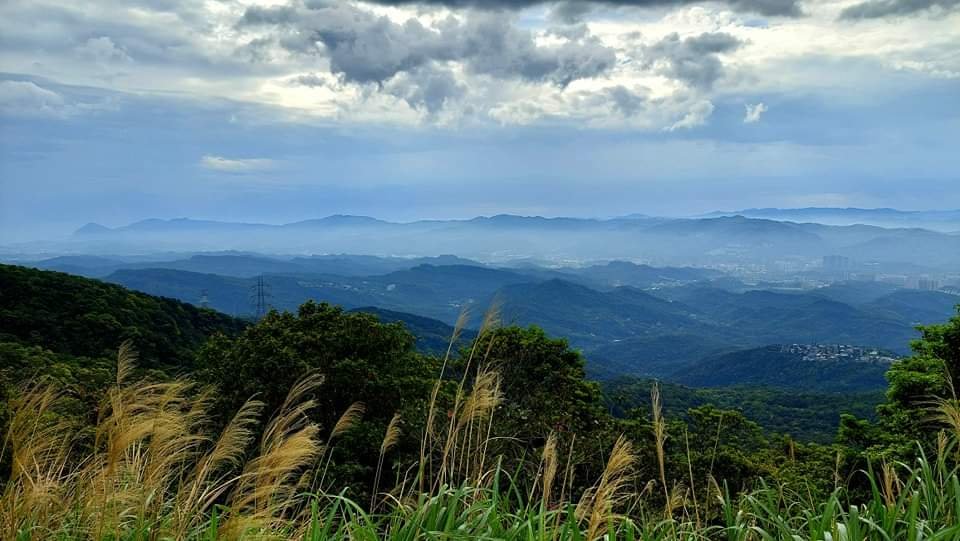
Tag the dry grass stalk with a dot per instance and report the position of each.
(693, 486)
(550, 461)
(147, 436)
(948, 413)
(265, 495)
(660, 437)
(597, 503)
(213, 476)
(429, 433)
(490, 322)
(348, 419)
(484, 397)
(152, 461)
(39, 446)
(890, 483)
(390, 439)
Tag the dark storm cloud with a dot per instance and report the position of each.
(570, 12)
(790, 8)
(429, 88)
(876, 9)
(492, 45)
(692, 60)
(625, 101)
(364, 47)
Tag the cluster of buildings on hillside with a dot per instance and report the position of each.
(839, 353)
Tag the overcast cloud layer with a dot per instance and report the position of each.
(114, 111)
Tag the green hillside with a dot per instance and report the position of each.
(804, 415)
(82, 317)
(777, 366)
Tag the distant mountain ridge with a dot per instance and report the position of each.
(886, 217)
(705, 241)
(246, 265)
(937, 220)
(158, 224)
(342, 220)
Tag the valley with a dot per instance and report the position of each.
(627, 319)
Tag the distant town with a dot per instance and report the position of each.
(839, 353)
(804, 273)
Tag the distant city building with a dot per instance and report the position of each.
(895, 279)
(928, 284)
(836, 263)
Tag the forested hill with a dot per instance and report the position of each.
(81, 317)
(807, 415)
(823, 368)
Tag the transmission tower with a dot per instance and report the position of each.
(259, 295)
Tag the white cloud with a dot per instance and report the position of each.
(453, 67)
(25, 98)
(696, 116)
(236, 165)
(753, 112)
(103, 50)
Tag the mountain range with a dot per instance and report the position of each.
(700, 241)
(936, 220)
(35, 304)
(626, 318)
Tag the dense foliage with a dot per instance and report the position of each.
(89, 318)
(330, 424)
(361, 359)
(928, 379)
(806, 416)
(66, 328)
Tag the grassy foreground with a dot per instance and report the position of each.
(152, 468)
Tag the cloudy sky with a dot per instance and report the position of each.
(278, 110)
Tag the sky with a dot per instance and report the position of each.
(282, 110)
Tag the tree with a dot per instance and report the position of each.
(544, 390)
(915, 384)
(544, 384)
(362, 359)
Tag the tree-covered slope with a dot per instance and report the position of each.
(804, 415)
(77, 316)
(591, 318)
(785, 367)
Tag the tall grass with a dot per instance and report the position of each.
(155, 471)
